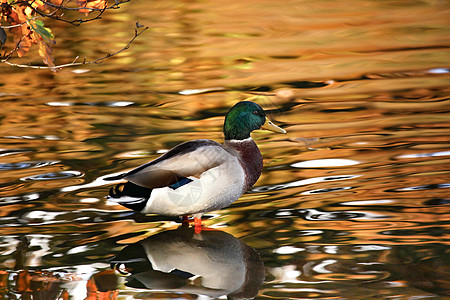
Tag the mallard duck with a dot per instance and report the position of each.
(199, 176)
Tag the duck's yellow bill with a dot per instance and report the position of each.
(268, 125)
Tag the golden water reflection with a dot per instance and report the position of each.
(353, 202)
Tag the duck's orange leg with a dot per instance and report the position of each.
(198, 225)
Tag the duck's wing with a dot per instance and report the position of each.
(187, 159)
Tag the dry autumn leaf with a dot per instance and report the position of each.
(91, 4)
(24, 21)
(45, 51)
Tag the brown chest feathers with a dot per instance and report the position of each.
(250, 158)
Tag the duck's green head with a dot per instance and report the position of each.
(243, 118)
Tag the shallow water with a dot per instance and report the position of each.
(352, 204)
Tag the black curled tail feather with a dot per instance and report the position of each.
(130, 195)
(129, 189)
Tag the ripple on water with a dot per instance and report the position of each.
(26, 165)
(5, 152)
(421, 187)
(105, 103)
(302, 182)
(319, 215)
(325, 163)
(424, 154)
(437, 201)
(53, 176)
(19, 198)
(48, 137)
(367, 94)
(327, 190)
(367, 202)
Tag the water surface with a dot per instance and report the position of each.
(353, 202)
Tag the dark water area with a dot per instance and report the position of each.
(353, 202)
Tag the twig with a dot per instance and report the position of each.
(101, 59)
(6, 57)
(114, 6)
(17, 25)
(55, 16)
(84, 62)
(76, 22)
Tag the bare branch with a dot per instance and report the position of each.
(101, 59)
(76, 22)
(74, 62)
(17, 25)
(54, 15)
(116, 5)
(5, 57)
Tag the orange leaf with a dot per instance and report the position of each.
(45, 51)
(38, 4)
(21, 33)
(41, 5)
(56, 2)
(97, 4)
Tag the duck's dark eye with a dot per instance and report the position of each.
(255, 112)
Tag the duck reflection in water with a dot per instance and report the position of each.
(211, 263)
